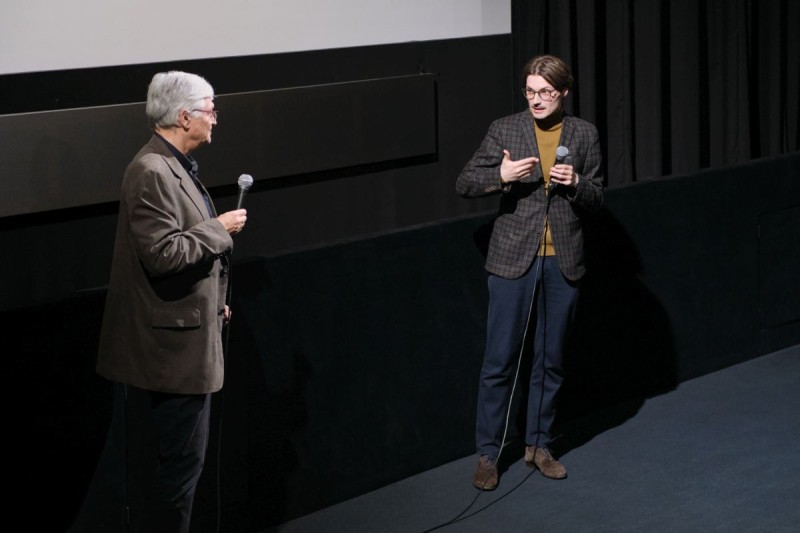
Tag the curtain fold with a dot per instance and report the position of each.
(674, 86)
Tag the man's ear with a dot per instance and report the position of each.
(184, 118)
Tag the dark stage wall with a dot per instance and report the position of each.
(360, 297)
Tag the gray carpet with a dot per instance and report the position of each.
(717, 454)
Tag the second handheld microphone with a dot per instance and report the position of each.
(245, 182)
(561, 155)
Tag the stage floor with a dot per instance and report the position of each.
(719, 453)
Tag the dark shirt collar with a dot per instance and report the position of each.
(187, 162)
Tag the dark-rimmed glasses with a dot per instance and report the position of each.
(546, 95)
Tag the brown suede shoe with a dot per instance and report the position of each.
(542, 459)
(486, 474)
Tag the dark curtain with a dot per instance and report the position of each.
(673, 85)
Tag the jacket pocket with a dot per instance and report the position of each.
(176, 317)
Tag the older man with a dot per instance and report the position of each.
(160, 342)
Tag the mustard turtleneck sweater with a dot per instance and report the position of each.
(547, 138)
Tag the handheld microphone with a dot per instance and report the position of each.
(245, 182)
(561, 155)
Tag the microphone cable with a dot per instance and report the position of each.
(125, 488)
(543, 296)
(562, 152)
(539, 276)
(245, 181)
(227, 262)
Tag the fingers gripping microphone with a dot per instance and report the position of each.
(561, 155)
(245, 182)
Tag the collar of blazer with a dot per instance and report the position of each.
(184, 179)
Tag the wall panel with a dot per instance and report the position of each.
(71, 158)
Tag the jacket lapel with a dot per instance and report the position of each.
(186, 183)
(530, 135)
(567, 132)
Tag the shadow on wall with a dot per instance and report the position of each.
(60, 407)
(360, 367)
(622, 349)
(268, 398)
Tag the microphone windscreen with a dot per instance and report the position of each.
(245, 181)
(561, 153)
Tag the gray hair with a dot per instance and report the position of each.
(170, 92)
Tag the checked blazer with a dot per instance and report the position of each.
(519, 225)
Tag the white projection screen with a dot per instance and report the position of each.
(42, 35)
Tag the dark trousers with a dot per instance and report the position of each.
(147, 474)
(508, 326)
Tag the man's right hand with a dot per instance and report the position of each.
(233, 221)
(516, 170)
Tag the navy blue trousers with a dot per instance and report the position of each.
(540, 303)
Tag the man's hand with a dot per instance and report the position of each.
(516, 170)
(233, 221)
(564, 174)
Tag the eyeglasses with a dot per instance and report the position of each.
(547, 95)
(212, 112)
